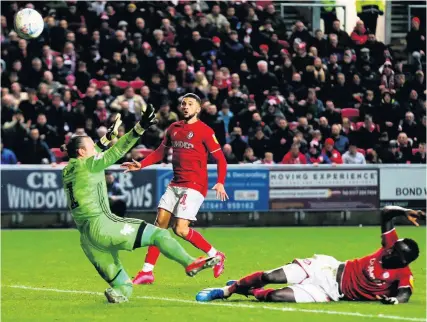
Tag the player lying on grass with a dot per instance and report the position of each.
(383, 275)
(103, 234)
(191, 140)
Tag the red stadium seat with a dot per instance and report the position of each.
(361, 151)
(59, 155)
(136, 84)
(99, 83)
(122, 84)
(414, 151)
(350, 113)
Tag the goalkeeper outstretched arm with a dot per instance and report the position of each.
(84, 148)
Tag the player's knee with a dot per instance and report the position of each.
(181, 231)
(266, 277)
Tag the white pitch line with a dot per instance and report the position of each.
(232, 305)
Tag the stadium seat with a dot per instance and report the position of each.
(350, 113)
(136, 84)
(59, 155)
(122, 84)
(414, 151)
(361, 151)
(99, 83)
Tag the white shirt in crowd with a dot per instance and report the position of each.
(357, 158)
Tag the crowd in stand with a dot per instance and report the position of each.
(272, 94)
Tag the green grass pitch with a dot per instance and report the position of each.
(46, 277)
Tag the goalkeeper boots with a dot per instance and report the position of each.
(114, 296)
(200, 264)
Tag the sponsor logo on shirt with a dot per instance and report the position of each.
(127, 230)
(190, 135)
(182, 144)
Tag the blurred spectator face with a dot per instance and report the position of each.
(158, 35)
(288, 62)
(100, 105)
(231, 11)
(196, 36)
(34, 134)
(227, 149)
(283, 124)
(415, 24)
(333, 59)
(219, 76)
(164, 110)
(234, 36)
(387, 98)
(16, 88)
(370, 96)
(140, 23)
(188, 11)
(311, 95)
(243, 67)
(299, 26)
(46, 51)
(51, 22)
(117, 57)
(341, 79)
(422, 148)
(270, 9)
(335, 130)
(295, 150)
(352, 149)
(356, 79)
(424, 120)
(96, 36)
(215, 10)
(333, 39)
(135, 154)
(345, 123)
(43, 89)
(419, 76)
(323, 121)
(256, 117)
(347, 57)
(368, 121)
(296, 78)
(121, 131)
(413, 95)
(41, 120)
(212, 110)
(182, 65)
(268, 157)
(402, 139)
(319, 34)
(237, 131)
(329, 147)
(336, 25)
(70, 37)
(172, 52)
(330, 105)
(63, 24)
(249, 153)
(360, 26)
(313, 52)
(17, 65)
(36, 64)
(80, 131)
(291, 97)
(172, 86)
(214, 91)
(387, 69)
(59, 62)
(102, 130)
(129, 92)
(56, 101)
(302, 121)
(90, 92)
(372, 38)
(22, 44)
(120, 36)
(409, 117)
(67, 96)
(109, 178)
(235, 79)
(145, 91)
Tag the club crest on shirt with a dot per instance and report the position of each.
(190, 135)
(174, 133)
(386, 275)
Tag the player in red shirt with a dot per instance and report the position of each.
(382, 276)
(191, 141)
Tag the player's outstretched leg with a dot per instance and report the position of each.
(182, 229)
(169, 247)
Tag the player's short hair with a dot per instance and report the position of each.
(192, 95)
(414, 249)
(75, 143)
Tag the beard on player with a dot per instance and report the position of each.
(190, 106)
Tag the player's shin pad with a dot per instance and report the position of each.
(122, 283)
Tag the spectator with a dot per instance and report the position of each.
(216, 18)
(225, 115)
(229, 155)
(315, 155)
(393, 155)
(136, 102)
(324, 127)
(258, 124)
(409, 126)
(367, 134)
(341, 142)
(294, 156)
(259, 143)
(237, 143)
(7, 156)
(15, 131)
(165, 116)
(352, 156)
(388, 115)
(268, 159)
(372, 157)
(331, 114)
(248, 156)
(418, 157)
(116, 195)
(416, 38)
(263, 81)
(421, 130)
(343, 37)
(405, 146)
(332, 153)
(34, 150)
(359, 36)
(281, 140)
(299, 31)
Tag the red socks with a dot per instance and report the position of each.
(152, 255)
(261, 294)
(252, 280)
(198, 241)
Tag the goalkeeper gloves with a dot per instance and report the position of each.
(111, 132)
(147, 119)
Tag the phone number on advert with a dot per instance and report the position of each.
(228, 205)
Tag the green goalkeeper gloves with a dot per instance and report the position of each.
(111, 132)
(147, 119)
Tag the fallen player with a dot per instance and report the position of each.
(383, 275)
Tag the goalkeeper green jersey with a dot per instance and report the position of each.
(84, 181)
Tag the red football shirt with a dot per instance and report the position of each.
(190, 144)
(364, 278)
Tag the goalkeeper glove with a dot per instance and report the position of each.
(111, 132)
(147, 119)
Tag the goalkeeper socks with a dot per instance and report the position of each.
(171, 248)
(151, 259)
(122, 283)
(198, 241)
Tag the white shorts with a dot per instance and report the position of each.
(314, 279)
(182, 202)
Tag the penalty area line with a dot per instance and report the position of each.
(231, 305)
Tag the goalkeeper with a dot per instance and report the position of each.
(103, 234)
